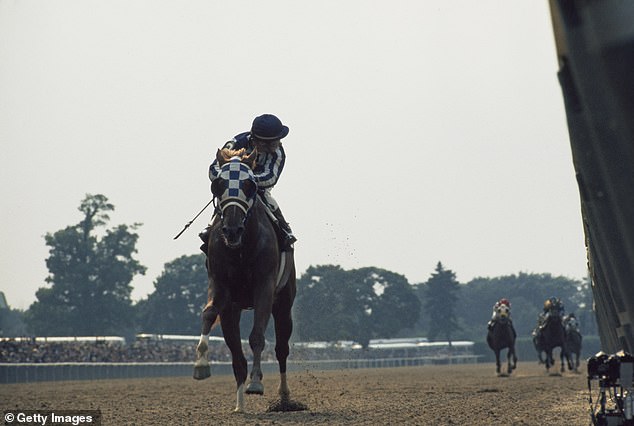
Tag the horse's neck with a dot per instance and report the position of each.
(502, 320)
(259, 227)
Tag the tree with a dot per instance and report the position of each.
(334, 304)
(441, 291)
(180, 293)
(12, 322)
(90, 276)
(527, 293)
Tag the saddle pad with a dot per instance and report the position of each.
(287, 262)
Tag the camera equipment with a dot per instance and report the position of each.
(615, 375)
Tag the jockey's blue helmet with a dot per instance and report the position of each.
(268, 127)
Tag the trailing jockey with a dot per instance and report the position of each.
(496, 312)
(265, 137)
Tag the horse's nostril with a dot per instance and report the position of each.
(233, 235)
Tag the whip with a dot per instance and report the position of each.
(195, 217)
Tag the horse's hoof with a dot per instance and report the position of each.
(255, 388)
(202, 372)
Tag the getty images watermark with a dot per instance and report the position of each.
(52, 417)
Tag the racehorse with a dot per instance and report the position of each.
(501, 335)
(246, 270)
(549, 335)
(573, 341)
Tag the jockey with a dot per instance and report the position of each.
(503, 301)
(553, 303)
(497, 304)
(265, 137)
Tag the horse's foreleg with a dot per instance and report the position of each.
(283, 329)
(202, 370)
(497, 362)
(509, 356)
(261, 315)
(565, 353)
(230, 322)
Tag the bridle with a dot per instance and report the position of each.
(234, 186)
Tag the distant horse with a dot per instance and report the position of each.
(501, 336)
(246, 270)
(573, 341)
(548, 336)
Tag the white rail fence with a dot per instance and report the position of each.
(25, 373)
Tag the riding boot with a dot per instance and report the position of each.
(288, 239)
(204, 237)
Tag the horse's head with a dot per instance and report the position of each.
(555, 312)
(571, 323)
(502, 312)
(235, 189)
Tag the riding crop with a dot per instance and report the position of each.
(195, 217)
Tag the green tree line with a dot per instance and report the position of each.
(91, 267)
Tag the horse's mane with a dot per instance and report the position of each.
(225, 154)
(228, 153)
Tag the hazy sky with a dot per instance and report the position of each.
(420, 131)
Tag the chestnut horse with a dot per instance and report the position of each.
(246, 270)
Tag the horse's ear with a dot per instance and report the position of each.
(220, 158)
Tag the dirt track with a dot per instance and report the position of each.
(430, 395)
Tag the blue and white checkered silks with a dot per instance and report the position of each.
(235, 173)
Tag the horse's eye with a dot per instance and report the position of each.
(249, 187)
(218, 186)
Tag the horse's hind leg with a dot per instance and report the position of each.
(497, 362)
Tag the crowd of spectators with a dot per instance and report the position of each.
(29, 351)
(38, 351)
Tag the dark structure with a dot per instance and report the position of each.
(595, 47)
